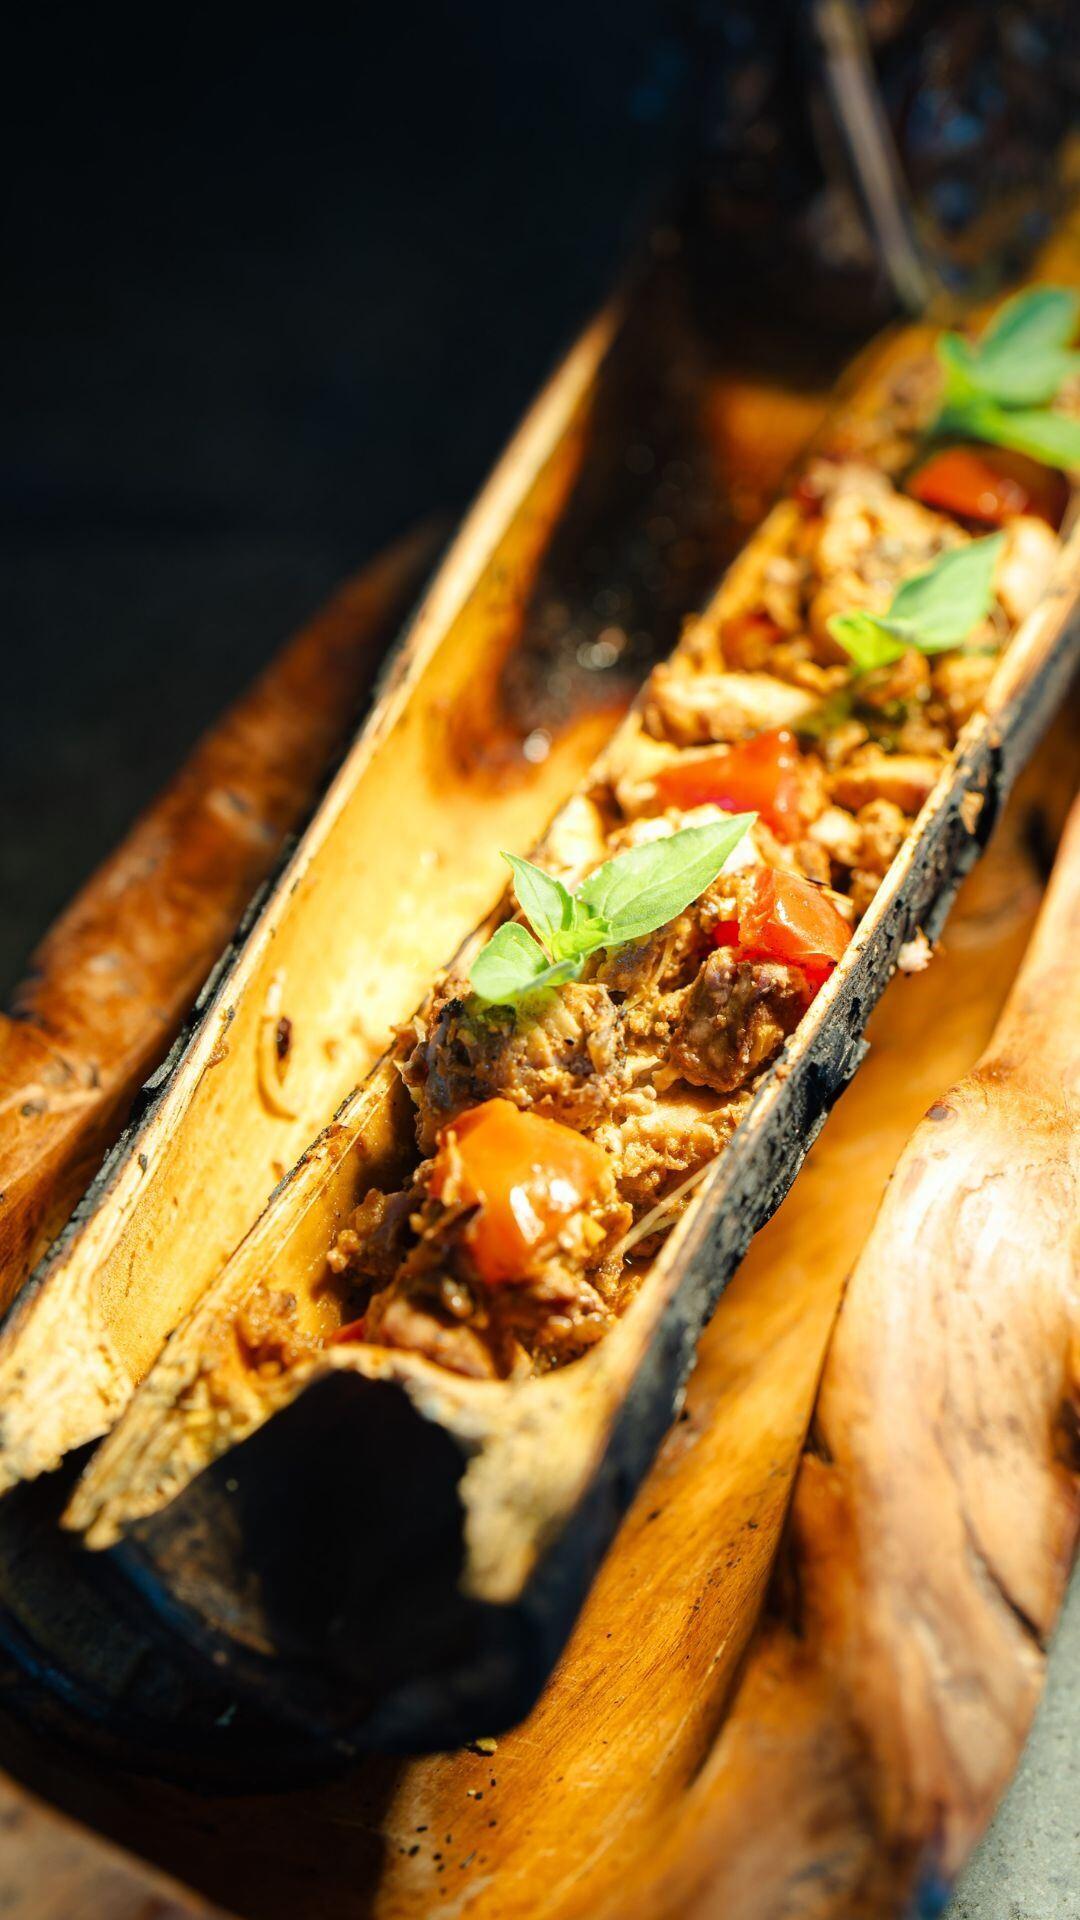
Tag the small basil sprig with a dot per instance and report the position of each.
(623, 900)
(931, 612)
(998, 388)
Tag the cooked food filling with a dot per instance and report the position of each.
(572, 1088)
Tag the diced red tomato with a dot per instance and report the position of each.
(523, 1174)
(784, 917)
(991, 488)
(759, 776)
(355, 1330)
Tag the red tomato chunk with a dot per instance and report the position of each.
(523, 1174)
(759, 776)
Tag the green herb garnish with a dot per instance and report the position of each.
(998, 388)
(931, 612)
(623, 900)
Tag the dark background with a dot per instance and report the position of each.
(271, 294)
(276, 292)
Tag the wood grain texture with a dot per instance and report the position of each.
(112, 980)
(936, 1515)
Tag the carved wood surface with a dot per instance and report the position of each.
(936, 1510)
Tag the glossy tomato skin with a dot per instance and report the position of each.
(758, 776)
(783, 917)
(990, 487)
(524, 1176)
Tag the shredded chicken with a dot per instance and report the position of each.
(1026, 564)
(904, 779)
(671, 1136)
(267, 1331)
(960, 681)
(721, 706)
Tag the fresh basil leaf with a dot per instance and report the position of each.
(955, 355)
(1020, 359)
(1053, 438)
(565, 926)
(869, 639)
(944, 604)
(997, 388)
(1032, 321)
(932, 611)
(641, 890)
(514, 963)
(625, 899)
(543, 900)
(557, 974)
(587, 934)
(1031, 385)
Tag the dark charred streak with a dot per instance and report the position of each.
(784, 1602)
(1029, 1627)
(661, 502)
(1039, 841)
(1066, 1435)
(817, 1445)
